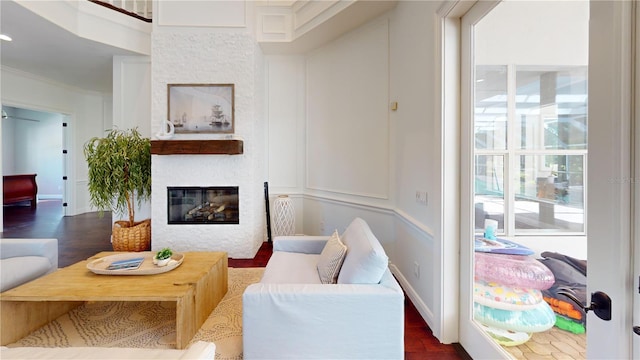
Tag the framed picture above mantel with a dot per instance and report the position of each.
(201, 108)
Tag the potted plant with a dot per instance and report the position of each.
(119, 174)
(163, 257)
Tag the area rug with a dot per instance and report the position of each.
(148, 324)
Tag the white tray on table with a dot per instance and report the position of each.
(99, 266)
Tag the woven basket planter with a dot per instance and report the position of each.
(131, 238)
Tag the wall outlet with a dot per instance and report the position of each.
(322, 227)
(422, 197)
(416, 269)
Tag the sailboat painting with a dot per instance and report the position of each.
(201, 108)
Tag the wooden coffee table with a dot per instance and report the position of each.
(196, 286)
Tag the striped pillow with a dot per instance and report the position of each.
(331, 259)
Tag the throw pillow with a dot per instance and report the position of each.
(331, 259)
(365, 262)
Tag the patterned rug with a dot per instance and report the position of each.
(148, 324)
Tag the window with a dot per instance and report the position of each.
(530, 148)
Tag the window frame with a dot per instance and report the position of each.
(511, 155)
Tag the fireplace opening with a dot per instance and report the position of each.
(203, 205)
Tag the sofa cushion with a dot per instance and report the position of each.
(331, 259)
(291, 268)
(366, 261)
(19, 270)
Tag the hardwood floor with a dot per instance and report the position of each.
(78, 236)
(81, 236)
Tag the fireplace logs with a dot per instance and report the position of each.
(210, 212)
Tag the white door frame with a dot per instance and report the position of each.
(68, 136)
(456, 159)
(635, 189)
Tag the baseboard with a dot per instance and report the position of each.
(422, 308)
(49, 196)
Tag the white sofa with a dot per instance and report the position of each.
(197, 350)
(22, 260)
(290, 314)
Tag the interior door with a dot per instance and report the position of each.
(610, 259)
(610, 177)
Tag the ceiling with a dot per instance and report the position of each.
(42, 48)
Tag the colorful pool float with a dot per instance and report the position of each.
(500, 246)
(503, 297)
(506, 337)
(513, 271)
(570, 325)
(565, 308)
(540, 318)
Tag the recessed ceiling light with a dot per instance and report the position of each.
(5, 37)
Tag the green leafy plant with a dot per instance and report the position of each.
(119, 170)
(164, 254)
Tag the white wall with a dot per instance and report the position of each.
(132, 93)
(417, 144)
(362, 159)
(285, 111)
(346, 170)
(131, 108)
(8, 144)
(201, 14)
(347, 114)
(338, 214)
(86, 116)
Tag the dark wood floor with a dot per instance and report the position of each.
(81, 236)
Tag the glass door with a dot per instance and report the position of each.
(524, 155)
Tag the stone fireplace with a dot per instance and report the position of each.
(204, 197)
(210, 56)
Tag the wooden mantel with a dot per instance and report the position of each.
(197, 147)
